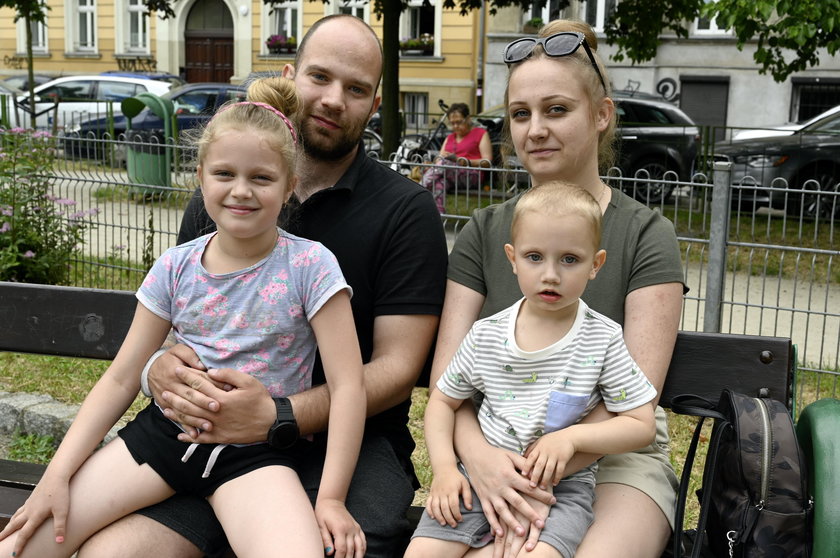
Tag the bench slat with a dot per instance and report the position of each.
(64, 321)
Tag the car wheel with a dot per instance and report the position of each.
(652, 185)
(824, 203)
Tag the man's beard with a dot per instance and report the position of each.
(326, 148)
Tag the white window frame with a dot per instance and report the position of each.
(40, 39)
(600, 13)
(358, 8)
(271, 13)
(416, 114)
(710, 27)
(76, 11)
(405, 21)
(130, 13)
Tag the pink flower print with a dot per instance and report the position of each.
(149, 281)
(205, 332)
(195, 258)
(215, 305)
(247, 278)
(295, 310)
(167, 262)
(225, 347)
(276, 390)
(294, 361)
(266, 325)
(276, 289)
(181, 302)
(285, 341)
(307, 257)
(240, 321)
(258, 365)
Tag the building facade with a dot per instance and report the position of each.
(226, 40)
(706, 75)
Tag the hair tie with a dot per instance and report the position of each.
(272, 109)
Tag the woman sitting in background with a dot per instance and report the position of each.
(464, 150)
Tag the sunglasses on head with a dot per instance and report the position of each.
(556, 45)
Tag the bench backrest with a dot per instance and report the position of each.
(69, 321)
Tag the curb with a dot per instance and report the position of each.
(38, 414)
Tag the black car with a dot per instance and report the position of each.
(194, 104)
(798, 173)
(657, 141)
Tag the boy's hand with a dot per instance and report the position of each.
(341, 535)
(51, 498)
(443, 501)
(546, 458)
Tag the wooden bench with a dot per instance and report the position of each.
(67, 321)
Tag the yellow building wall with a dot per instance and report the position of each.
(56, 61)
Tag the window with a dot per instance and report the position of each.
(39, 36)
(282, 19)
(421, 18)
(812, 96)
(69, 91)
(81, 31)
(117, 91)
(355, 8)
(704, 26)
(135, 27)
(416, 110)
(597, 13)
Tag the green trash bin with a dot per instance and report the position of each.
(149, 162)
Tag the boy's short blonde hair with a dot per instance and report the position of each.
(559, 199)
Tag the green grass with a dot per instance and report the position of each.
(31, 448)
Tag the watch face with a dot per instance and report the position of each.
(283, 435)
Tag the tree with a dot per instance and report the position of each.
(788, 33)
(30, 11)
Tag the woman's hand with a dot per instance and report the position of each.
(443, 503)
(51, 498)
(511, 543)
(341, 534)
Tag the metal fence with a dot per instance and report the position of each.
(750, 269)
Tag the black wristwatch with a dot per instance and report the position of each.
(284, 432)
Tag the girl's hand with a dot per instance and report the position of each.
(342, 536)
(546, 459)
(51, 498)
(443, 501)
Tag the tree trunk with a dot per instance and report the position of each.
(391, 131)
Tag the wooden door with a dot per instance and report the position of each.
(208, 40)
(209, 56)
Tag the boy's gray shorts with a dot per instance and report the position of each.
(567, 523)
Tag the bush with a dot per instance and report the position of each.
(40, 233)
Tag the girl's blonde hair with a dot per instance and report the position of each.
(591, 84)
(278, 93)
(558, 199)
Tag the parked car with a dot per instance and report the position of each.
(172, 79)
(21, 81)
(72, 99)
(194, 104)
(763, 169)
(785, 129)
(655, 138)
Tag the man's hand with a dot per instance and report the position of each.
(245, 411)
(495, 477)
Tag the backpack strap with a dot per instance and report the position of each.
(688, 404)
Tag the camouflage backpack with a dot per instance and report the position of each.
(754, 501)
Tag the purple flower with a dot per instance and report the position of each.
(65, 201)
(5, 227)
(29, 254)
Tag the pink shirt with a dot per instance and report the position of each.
(468, 146)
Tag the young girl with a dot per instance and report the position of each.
(250, 297)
